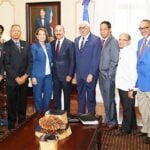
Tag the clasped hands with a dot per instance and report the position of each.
(21, 80)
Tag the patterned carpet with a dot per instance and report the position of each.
(127, 142)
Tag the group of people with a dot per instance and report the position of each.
(52, 66)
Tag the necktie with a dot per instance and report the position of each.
(18, 45)
(57, 48)
(82, 43)
(103, 42)
(143, 46)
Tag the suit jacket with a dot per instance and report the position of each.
(38, 24)
(16, 63)
(64, 64)
(109, 58)
(87, 59)
(39, 59)
(1, 60)
(143, 67)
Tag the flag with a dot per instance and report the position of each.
(85, 4)
(50, 18)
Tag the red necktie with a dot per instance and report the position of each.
(57, 48)
(143, 46)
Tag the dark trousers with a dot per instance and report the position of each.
(86, 96)
(16, 104)
(107, 87)
(60, 85)
(129, 117)
(42, 93)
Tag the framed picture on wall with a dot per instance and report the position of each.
(42, 14)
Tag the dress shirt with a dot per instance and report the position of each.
(85, 40)
(16, 41)
(47, 67)
(61, 41)
(104, 41)
(126, 74)
(42, 20)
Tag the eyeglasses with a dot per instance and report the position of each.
(80, 28)
(143, 28)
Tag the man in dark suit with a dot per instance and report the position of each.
(108, 63)
(42, 21)
(63, 69)
(18, 66)
(88, 49)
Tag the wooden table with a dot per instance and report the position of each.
(82, 137)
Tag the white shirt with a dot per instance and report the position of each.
(126, 74)
(47, 67)
(42, 21)
(60, 44)
(85, 39)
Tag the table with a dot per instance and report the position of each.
(82, 137)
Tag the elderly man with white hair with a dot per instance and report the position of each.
(87, 47)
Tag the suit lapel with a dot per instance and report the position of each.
(85, 43)
(107, 41)
(144, 52)
(62, 46)
(14, 46)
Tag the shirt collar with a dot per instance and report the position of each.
(15, 41)
(86, 37)
(61, 40)
(148, 39)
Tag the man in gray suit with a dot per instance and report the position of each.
(108, 63)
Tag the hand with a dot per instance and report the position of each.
(1, 77)
(89, 78)
(68, 78)
(24, 78)
(19, 81)
(34, 81)
(130, 94)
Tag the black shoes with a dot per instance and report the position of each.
(11, 127)
(147, 140)
(121, 132)
(141, 134)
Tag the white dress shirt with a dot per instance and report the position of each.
(85, 40)
(126, 74)
(47, 67)
(61, 41)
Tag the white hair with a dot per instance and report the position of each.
(84, 23)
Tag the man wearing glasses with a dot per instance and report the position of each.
(143, 81)
(87, 47)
